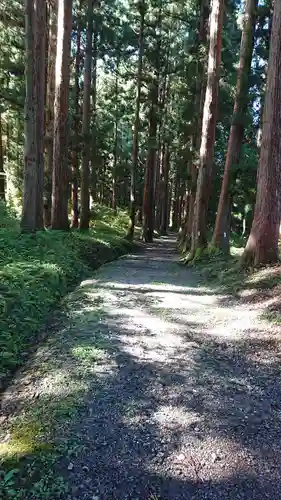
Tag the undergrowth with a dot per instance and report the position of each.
(37, 270)
(226, 274)
(38, 434)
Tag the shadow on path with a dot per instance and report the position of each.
(187, 402)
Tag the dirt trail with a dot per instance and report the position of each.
(181, 388)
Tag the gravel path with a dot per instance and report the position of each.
(186, 402)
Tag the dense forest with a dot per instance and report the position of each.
(148, 130)
(165, 108)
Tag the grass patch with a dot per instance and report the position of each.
(39, 433)
(222, 272)
(37, 270)
(226, 275)
(273, 317)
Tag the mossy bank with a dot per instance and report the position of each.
(37, 270)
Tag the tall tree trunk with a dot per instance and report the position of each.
(76, 131)
(222, 226)
(175, 204)
(94, 164)
(40, 72)
(262, 245)
(19, 149)
(199, 226)
(60, 165)
(85, 171)
(148, 192)
(28, 220)
(114, 168)
(115, 147)
(2, 173)
(181, 204)
(162, 123)
(165, 203)
(142, 9)
(7, 149)
(50, 98)
(157, 185)
(200, 90)
(186, 204)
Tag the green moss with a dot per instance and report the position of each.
(35, 273)
(87, 353)
(24, 440)
(37, 270)
(226, 274)
(272, 316)
(40, 433)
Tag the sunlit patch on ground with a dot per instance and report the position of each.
(154, 387)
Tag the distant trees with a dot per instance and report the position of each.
(131, 105)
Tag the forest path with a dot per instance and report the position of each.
(181, 390)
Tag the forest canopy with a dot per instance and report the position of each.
(153, 106)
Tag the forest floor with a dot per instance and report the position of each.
(154, 384)
(36, 271)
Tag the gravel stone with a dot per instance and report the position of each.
(186, 402)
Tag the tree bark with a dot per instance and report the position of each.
(159, 183)
(142, 8)
(199, 227)
(262, 245)
(165, 202)
(85, 171)
(164, 94)
(28, 219)
(40, 72)
(149, 191)
(76, 130)
(94, 163)
(158, 187)
(2, 172)
(60, 162)
(50, 99)
(222, 226)
(199, 100)
(175, 203)
(148, 194)
(115, 147)
(200, 89)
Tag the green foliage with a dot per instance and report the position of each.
(228, 275)
(7, 482)
(36, 271)
(116, 28)
(222, 271)
(39, 435)
(273, 317)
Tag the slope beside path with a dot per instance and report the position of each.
(153, 386)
